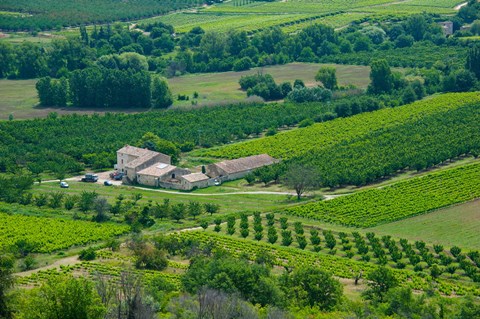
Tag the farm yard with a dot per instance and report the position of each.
(240, 159)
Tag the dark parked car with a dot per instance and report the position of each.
(92, 178)
(116, 176)
(107, 183)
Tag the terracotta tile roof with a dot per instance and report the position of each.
(246, 163)
(133, 151)
(142, 159)
(195, 177)
(157, 170)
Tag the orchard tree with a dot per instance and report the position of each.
(327, 75)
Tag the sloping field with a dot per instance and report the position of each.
(50, 234)
(456, 225)
(320, 136)
(401, 200)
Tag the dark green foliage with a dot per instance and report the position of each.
(178, 211)
(381, 77)
(380, 282)
(330, 241)
(304, 94)
(328, 77)
(311, 286)
(286, 238)
(455, 251)
(87, 254)
(272, 235)
(161, 94)
(251, 281)
(147, 256)
(107, 88)
(261, 85)
(52, 92)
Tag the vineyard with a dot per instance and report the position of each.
(401, 200)
(383, 251)
(363, 148)
(51, 234)
(185, 21)
(53, 14)
(318, 6)
(291, 257)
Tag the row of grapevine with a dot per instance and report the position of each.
(92, 269)
(401, 200)
(49, 14)
(51, 234)
(342, 267)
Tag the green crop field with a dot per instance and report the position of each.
(398, 201)
(50, 234)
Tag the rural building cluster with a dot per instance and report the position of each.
(150, 168)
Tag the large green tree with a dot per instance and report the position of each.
(161, 94)
(473, 60)
(327, 75)
(380, 281)
(381, 77)
(6, 282)
(157, 144)
(311, 286)
(64, 298)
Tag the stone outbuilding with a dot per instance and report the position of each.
(161, 175)
(238, 168)
(447, 27)
(194, 180)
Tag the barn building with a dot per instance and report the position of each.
(238, 168)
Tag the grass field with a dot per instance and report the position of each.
(19, 97)
(223, 87)
(228, 203)
(455, 225)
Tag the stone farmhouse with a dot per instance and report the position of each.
(145, 167)
(447, 27)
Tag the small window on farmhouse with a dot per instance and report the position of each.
(122, 161)
(173, 175)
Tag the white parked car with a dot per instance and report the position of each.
(63, 185)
